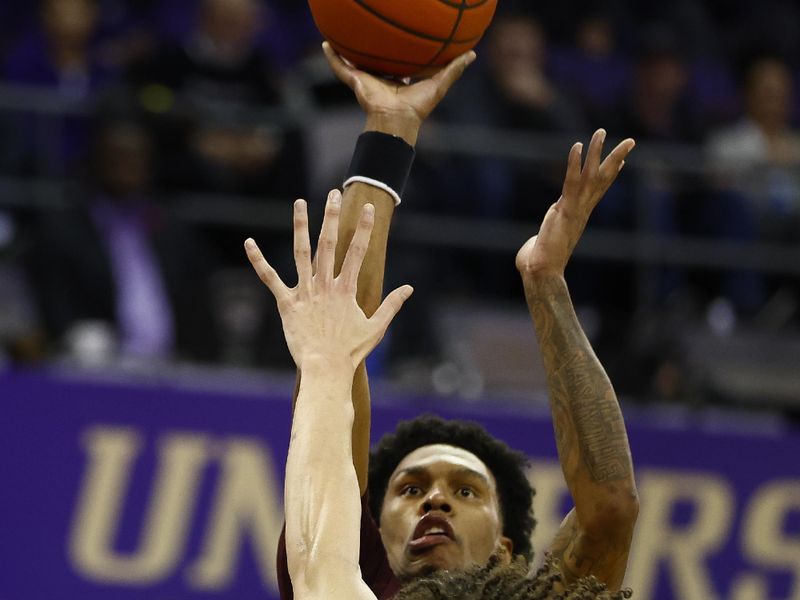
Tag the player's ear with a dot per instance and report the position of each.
(505, 550)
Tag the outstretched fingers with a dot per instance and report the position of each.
(265, 272)
(358, 248)
(390, 306)
(592, 166)
(572, 181)
(614, 162)
(326, 248)
(302, 247)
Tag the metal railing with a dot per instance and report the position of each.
(641, 247)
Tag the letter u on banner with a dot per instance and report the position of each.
(111, 453)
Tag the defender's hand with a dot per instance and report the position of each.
(320, 315)
(548, 252)
(392, 106)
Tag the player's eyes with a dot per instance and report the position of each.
(466, 492)
(411, 490)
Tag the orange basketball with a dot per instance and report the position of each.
(402, 37)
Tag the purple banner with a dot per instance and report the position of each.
(114, 490)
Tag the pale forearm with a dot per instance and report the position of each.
(322, 408)
(319, 467)
(590, 431)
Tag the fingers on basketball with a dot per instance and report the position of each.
(340, 68)
(453, 72)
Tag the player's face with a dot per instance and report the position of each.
(441, 511)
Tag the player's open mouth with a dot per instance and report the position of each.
(432, 530)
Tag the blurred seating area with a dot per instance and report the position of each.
(141, 141)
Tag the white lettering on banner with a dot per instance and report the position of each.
(683, 549)
(246, 501)
(111, 452)
(764, 542)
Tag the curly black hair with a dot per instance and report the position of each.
(499, 581)
(507, 466)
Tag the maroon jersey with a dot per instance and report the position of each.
(374, 564)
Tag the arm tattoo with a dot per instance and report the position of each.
(577, 557)
(590, 431)
(565, 550)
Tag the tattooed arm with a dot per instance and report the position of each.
(590, 433)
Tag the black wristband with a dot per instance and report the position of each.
(381, 160)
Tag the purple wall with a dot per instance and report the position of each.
(115, 490)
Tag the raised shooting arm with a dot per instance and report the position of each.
(399, 110)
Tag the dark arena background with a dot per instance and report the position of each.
(144, 382)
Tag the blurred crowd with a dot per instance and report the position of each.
(157, 100)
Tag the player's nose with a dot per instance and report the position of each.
(436, 499)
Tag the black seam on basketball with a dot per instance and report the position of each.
(457, 3)
(446, 43)
(374, 56)
(448, 40)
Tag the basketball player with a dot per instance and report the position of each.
(595, 537)
(328, 336)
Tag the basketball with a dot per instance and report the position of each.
(402, 37)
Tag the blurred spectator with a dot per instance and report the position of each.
(758, 155)
(115, 275)
(526, 98)
(659, 106)
(219, 60)
(56, 55)
(222, 77)
(127, 32)
(592, 70)
(757, 162)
